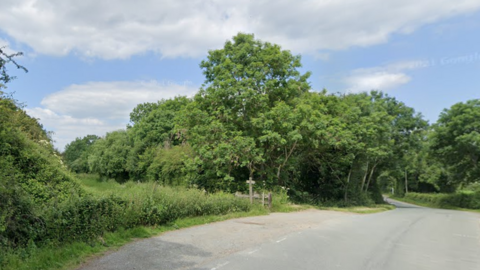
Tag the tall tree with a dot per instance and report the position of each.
(154, 127)
(244, 81)
(76, 153)
(456, 141)
(108, 156)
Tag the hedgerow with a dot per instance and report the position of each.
(468, 200)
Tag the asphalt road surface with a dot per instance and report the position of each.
(408, 237)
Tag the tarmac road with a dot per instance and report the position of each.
(409, 237)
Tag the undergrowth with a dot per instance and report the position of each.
(459, 200)
(112, 214)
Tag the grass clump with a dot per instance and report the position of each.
(361, 209)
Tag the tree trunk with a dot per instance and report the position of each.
(370, 176)
(279, 169)
(406, 182)
(345, 197)
(364, 178)
(287, 156)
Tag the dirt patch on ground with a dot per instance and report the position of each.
(195, 246)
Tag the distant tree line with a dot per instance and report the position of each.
(257, 116)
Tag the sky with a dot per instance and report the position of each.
(91, 62)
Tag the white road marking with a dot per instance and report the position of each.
(220, 266)
(283, 239)
(465, 236)
(253, 251)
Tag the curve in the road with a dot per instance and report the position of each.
(409, 237)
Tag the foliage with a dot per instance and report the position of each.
(72, 254)
(76, 153)
(5, 59)
(129, 205)
(154, 128)
(456, 141)
(233, 122)
(467, 200)
(108, 157)
(170, 166)
(31, 176)
(255, 117)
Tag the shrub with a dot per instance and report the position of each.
(31, 177)
(470, 200)
(85, 218)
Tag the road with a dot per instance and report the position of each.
(408, 237)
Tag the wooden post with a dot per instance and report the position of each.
(250, 183)
(269, 200)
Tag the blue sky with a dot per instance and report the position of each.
(91, 62)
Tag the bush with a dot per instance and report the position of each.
(468, 200)
(18, 220)
(85, 218)
(32, 177)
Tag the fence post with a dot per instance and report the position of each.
(269, 200)
(250, 183)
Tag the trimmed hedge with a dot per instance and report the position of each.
(85, 218)
(468, 200)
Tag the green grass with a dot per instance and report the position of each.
(70, 256)
(433, 205)
(91, 183)
(361, 209)
(184, 201)
(179, 208)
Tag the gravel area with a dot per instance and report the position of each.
(193, 247)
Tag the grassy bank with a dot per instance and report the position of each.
(71, 255)
(467, 201)
(114, 214)
(109, 215)
(362, 209)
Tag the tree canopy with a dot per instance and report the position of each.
(256, 116)
(456, 141)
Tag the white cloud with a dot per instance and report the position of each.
(380, 80)
(110, 99)
(384, 77)
(119, 29)
(8, 49)
(99, 107)
(5, 46)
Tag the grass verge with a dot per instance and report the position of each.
(361, 209)
(432, 205)
(71, 256)
(179, 208)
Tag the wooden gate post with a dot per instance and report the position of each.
(269, 200)
(250, 183)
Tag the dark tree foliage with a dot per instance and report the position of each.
(255, 116)
(456, 141)
(31, 177)
(76, 153)
(234, 123)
